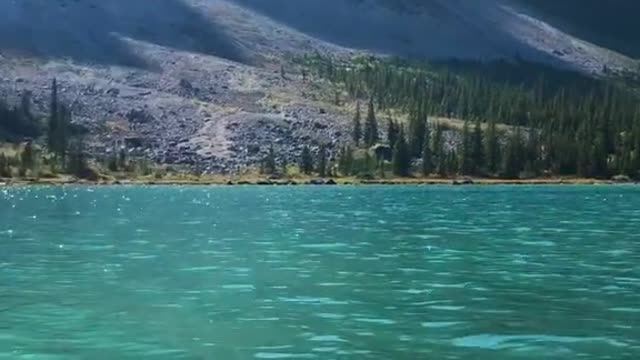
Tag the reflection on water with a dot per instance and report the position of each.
(320, 273)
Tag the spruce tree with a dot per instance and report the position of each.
(492, 146)
(322, 161)
(53, 120)
(512, 164)
(58, 125)
(417, 129)
(532, 155)
(392, 132)
(122, 159)
(599, 157)
(477, 150)
(357, 126)
(77, 164)
(367, 165)
(453, 165)
(270, 161)
(466, 155)
(62, 133)
(427, 158)
(345, 161)
(401, 160)
(442, 164)
(634, 167)
(285, 166)
(306, 161)
(5, 170)
(371, 126)
(27, 157)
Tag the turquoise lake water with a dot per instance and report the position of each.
(320, 273)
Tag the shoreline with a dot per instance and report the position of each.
(239, 181)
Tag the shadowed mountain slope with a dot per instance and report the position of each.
(92, 30)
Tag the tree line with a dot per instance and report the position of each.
(561, 122)
(64, 146)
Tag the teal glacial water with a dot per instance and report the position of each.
(320, 273)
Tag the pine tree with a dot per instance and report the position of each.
(492, 148)
(583, 156)
(599, 157)
(53, 120)
(122, 159)
(634, 158)
(453, 165)
(5, 170)
(285, 166)
(401, 156)
(27, 157)
(357, 126)
(58, 126)
(77, 164)
(477, 150)
(427, 158)
(306, 161)
(62, 133)
(345, 161)
(466, 155)
(532, 155)
(512, 164)
(417, 129)
(392, 132)
(322, 161)
(270, 164)
(371, 126)
(367, 165)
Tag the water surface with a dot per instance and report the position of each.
(320, 273)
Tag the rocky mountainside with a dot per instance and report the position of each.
(186, 81)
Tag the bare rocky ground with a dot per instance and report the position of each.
(203, 111)
(180, 102)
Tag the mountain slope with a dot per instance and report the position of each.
(187, 80)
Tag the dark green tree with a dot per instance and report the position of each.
(306, 161)
(27, 156)
(513, 159)
(322, 161)
(417, 130)
(492, 146)
(123, 162)
(270, 164)
(466, 153)
(634, 166)
(357, 126)
(401, 160)
(371, 126)
(53, 120)
(392, 131)
(77, 164)
(285, 166)
(532, 154)
(427, 158)
(477, 150)
(5, 170)
(345, 161)
(599, 157)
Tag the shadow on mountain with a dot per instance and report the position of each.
(611, 24)
(91, 30)
(427, 28)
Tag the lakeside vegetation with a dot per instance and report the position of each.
(562, 123)
(518, 121)
(52, 149)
